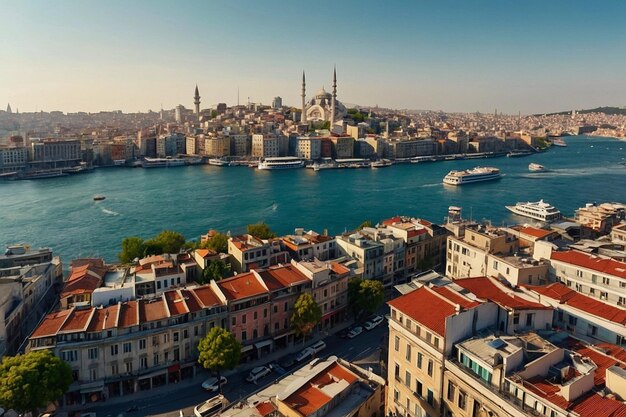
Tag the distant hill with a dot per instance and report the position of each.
(605, 110)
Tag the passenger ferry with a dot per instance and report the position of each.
(219, 162)
(162, 162)
(382, 163)
(468, 176)
(281, 162)
(538, 210)
(536, 167)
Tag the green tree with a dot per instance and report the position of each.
(218, 351)
(366, 223)
(33, 380)
(215, 270)
(306, 315)
(365, 296)
(132, 247)
(170, 241)
(219, 243)
(261, 231)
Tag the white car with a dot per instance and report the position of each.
(317, 346)
(211, 406)
(375, 321)
(257, 373)
(305, 354)
(212, 385)
(354, 332)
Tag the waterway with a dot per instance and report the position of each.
(60, 213)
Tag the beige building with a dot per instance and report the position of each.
(601, 218)
(265, 146)
(343, 147)
(217, 146)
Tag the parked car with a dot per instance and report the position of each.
(354, 332)
(212, 385)
(277, 368)
(257, 373)
(305, 354)
(317, 346)
(373, 322)
(211, 406)
(288, 361)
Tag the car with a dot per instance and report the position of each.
(317, 346)
(373, 322)
(257, 373)
(288, 361)
(354, 332)
(277, 368)
(305, 354)
(211, 406)
(212, 385)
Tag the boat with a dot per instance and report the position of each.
(559, 142)
(281, 162)
(326, 164)
(469, 176)
(119, 162)
(536, 167)
(44, 174)
(353, 163)
(539, 210)
(519, 152)
(219, 162)
(98, 197)
(163, 162)
(193, 160)
(383, 163)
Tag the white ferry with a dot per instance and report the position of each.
(162, 162)
(281, 162)
(538, 210)
(468, 176)
(536, 167)
(219, 162)
(382, 163)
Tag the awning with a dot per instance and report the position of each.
(92, 387)
(152, 374)
(246, 348)
(263, 344)
(174, 368)
(284, 335)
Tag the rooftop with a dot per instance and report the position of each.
(489, 289)
(604, 265)
(241, 286)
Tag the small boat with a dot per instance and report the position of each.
(383, 163)
(536, 167)
(518, 152)
(219, 162)
(559, 142)
(98, 197)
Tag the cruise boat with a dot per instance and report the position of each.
(469, 176)
(219, 162)
(383, 163)
(536, 167)
(538, 210)
(162, 162)
(281, 162)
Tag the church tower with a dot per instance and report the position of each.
(334, 99)
(303, 118)
(196, 101)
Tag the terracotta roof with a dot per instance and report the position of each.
(192, 301)
(51, 324)
(455, 297)
(425, 307)
(392, 220)
(175, 303)
(307, 400)
(103, 318)
(282, 277)
(85, 277)
(206, 296)
(544, 389)
(486, 289)
(78, 320)
(535, 232)
(339, 269)
(565, 295)
(241, 286)
(129, 314)
(265, 408)
(206, 253)
(152, 310)
(604, 265)
(613, 350)
(595, 405)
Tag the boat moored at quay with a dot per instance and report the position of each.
(281, 162)
(538, 210)
(468, 176)
(162, 162)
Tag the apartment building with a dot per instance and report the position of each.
(309, 245)
(86, 275)
(342, 147)
(265, 146)
(618, 234)
(393, 253)
(596, 276)
(367, 253)
(247, 252)
(13, 159)
(55, 153)
(22, 255)
(217, 146)
(601, 218)
(308, 147)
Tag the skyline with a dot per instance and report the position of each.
(529, 57)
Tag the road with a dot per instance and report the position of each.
(364, 350)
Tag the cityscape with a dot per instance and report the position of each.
(195, 226)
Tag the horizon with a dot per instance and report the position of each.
(452, 56)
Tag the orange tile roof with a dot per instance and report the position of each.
(595, 405)
(152, 310)
(604, 265)
(265, 408)
(192, 301)
(103, 318)
(455, 297)
(206, 253)
(175, 303)
(307, 400)
(425, 307)
(339, 269)
(544, 389)
(535, 232)
(613, 350)
(51, 324)
(78, 320)
(207, 296)
(241, 286)
(565, 295)
(129, 314)
(282, 277)
(485, 288)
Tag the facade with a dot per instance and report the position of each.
(55, 153)
(217, 146)
(343, 147)
(309, 245)
(601, 218)
(13, 159)
(248, 252)
(309, 147)
(368, 254)
(265, 146)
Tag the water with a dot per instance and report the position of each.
(60, 212)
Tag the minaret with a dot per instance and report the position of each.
(334, 99)
(303, 118)
(9, 108)
(196, 101)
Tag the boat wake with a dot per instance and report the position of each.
(436, 184)
(110, 212)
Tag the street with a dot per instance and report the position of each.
(363, 350)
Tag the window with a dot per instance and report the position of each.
(185, 334)
(69, 355)
(408, 352)
(397, 372)
(129, 367)
(430, 367)
(419, 359)
(573, 320)
(407, 379)
(93, 374)
(604, 295)
(275, 309)
(113, 350)
(142, 344)
(166, 337)
(143, 362)
(579, 273)
(450, 391)
(606, 281)
(243, 319)
(155, 359)
(233, 322)
(254, 316)
(430, 398)
(397, 344)
(244, 336)
(418, 387)
(592, 330)
(529, 319)
(92, 353)
(461, 401)
(127, 347)
(286, 306)
(396, 395)
(515, 318)
(114, 369)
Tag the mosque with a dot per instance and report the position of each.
(323, 106)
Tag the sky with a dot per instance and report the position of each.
(515, 56)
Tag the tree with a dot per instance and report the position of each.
(132, 247)
(365, 296)
(215, 270)
(306, 315)
(261, 231)
(366, 223)
(218, 351)
(32, 380)
(219, 243)
(170, 241)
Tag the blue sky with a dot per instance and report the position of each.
(528, 56)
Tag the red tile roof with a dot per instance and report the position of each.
(595, 405)
(103, 318)
(282, 277)
(206, 296)
(265, 408)
(307, 400)
(565, 295)
(604, 265)
(544, 389)
(425, 307)
(535, 232)
(78, 320)
(129, 314)
(175, 303)
(152, 310)
(339, 269)
(51, 324)
(192, 301)
(241, 286)
(613, 350)
(455, 297)
(487, 289)
(85, 277)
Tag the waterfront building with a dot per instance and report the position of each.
(265, 146)
(309, 147)
(597, 276)
(239, 144)
(156, 274)
(601, 218)
(55, 153)
(309, 245)
(409, 148)
(86, 275)
(323, 106)
(342, 147)
(22, 255)
(618, 233)
(13, 159)
(367, 253)
(217, 146)
(247, 252)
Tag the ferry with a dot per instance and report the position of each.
(518, 152)
(536, 167)
(281, 162)
(51, 173)
(162, 162)
(325, 164)
(469, 176)
(353, 163)
(219, 162)
(538, 210)
(559, 142)
(383, 163)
